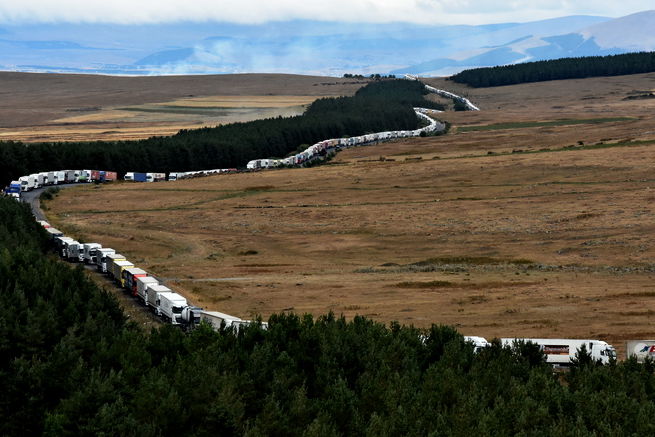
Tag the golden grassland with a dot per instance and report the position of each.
(512, 230)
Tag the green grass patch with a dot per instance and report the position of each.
(530, 124)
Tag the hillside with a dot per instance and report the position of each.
(500, 229)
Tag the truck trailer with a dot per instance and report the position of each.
(109, 262)
(130, 276)
(142, 287)
(641, 349)
(170, 307)
(117, 268)
(101, 258)
(153, 291)
(155, 177)
(13, 190)
(561, 352)
(74, 251)
(90, 251)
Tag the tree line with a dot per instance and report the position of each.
(72, 364)
(558, 69)
(380, 106)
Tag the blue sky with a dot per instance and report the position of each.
(471, 12)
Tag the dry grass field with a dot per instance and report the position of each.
(499, 229)
(50, 107)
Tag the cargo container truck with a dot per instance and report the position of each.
(561, 352)
(42, 179)
(43, 223)
(14, 189)
(142, 287)
(90, 251)
(54, 233)
(641, 349)
(70, 176)
(107, 176)
(74, 251)
(170, 307)
(27, 183)
(129, 277)
(94, 176)
(110, 260)
(176, 176)
(153, 291)
(155, 177)
(117, 268)
(101, 258)
(37, 180)
(479, 343)
(216, 319)
(61, 244)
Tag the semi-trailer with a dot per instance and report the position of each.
(90, 252)
(153, 291)
(108, 176)
(142, 287)
(129, 278)
(136, 177)
(562, 352)
(170, 307)
(176, 176)
(479, 343)
(27, 183)
(74, 251)
(101, 258)
(41, 179)
(117, 268)
(54, 233)
(641, 349)
(110, 260)
(155, 177)
(14, 189)
(61, 244)
(217, 319)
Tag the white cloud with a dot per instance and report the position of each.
(262, 11)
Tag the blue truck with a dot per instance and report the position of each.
(13, 190)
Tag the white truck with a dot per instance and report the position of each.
(153, 291)
(142, 287)
(155, 177)
(641, 349)
(90, 252)
(62, 243)
(54, 233)
(74, 251)
(176, 176)
(217, 319)
(479, 343)
(42, 179)
(27, 183)
(170, 307)
(101, 258)
(561, 352)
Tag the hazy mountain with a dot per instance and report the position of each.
(632, 33)
(311, 47)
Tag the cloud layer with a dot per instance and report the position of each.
(263, 11)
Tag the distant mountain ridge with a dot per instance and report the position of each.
(311, 47)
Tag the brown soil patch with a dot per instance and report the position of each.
(555, 243)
